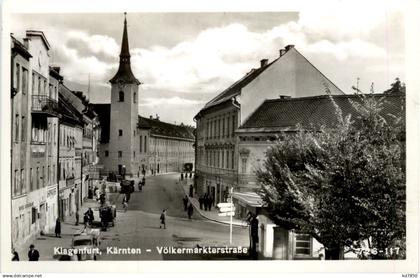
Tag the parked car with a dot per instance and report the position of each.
(85, 242)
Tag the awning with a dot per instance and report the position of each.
(251, 199)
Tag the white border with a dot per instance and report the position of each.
(80, 6)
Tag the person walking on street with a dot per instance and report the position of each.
(125, 205)
(163, 219)
(86, 219)
(15, 255)
(205, 201)
(185, 200)
(191, 191)
(77, 217)
(91, 217)
(210, 202)
(200, 201)
(57, 228)
(190, 211)
(33, 254)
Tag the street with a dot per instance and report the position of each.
(139, 226)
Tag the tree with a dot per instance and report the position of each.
(340, 184)
(397, 87)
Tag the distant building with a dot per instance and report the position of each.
(119, 140)
(217, 151)
(164, 147)
(272, 120)
(131, 145)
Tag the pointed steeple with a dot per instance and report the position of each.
(124, 73)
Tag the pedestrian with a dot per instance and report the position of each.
(125, 205)
(210, 202)
(200, 201)
(191, 190)
(205, 201)
(33, 254)
(57, 228)
(190, 211)
(15, 255)
(91, 217)
(77, 217)
(185, 200)
(86, 218)
(163, 219)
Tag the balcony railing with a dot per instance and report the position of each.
(42, 104)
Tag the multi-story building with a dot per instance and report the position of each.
(217, 152)
(119, 140)
(273, 120)
(20, 141)
(164, 147)
(35, 154)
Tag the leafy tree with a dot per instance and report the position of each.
(340, 184)
(397, 87)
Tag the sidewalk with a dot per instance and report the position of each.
(212, 215)
(45, 244)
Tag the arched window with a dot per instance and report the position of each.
(121, 96)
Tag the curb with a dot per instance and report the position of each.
(208, 218)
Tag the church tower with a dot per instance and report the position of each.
(123, 138)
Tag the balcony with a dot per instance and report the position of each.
(69, 181)
(44, 105)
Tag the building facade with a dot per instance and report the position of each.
(274, 120)
(120, 147)
(217, 150)
(164, 147)
(35, 141)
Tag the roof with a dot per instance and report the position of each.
(250, 198)
(124, 73)
(235, 88)
(159, 128)
(285, 114)
(104, 114)
(20, 48)
(30, 33)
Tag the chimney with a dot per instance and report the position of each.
(264, 62)
(290, 46)
(282, 51)
(284, 97)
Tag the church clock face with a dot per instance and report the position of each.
(121, 84)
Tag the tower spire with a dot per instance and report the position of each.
(124, 73)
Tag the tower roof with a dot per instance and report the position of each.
(124, 73)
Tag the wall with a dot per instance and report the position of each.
(290, 75)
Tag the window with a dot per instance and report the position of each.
(134, 154)
(121, 96)
(223, 158)
(228, 127)
(244, 165)
(302, 245)
(233, 160)
(22, 181)
(54, 134)
(223, 127)
(145, 144)
(33, 84)
(135, 97)
(15, 182)
(23, 126)
(17, 128)
(31, 179)
(39, 86)
(233, 124)
(43, 176)
(120, 132)
(119, 153)
(48, 175)
(37, 177)
(17, 81)
(24, 81)
(106, 153)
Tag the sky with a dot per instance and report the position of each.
(185, 59)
